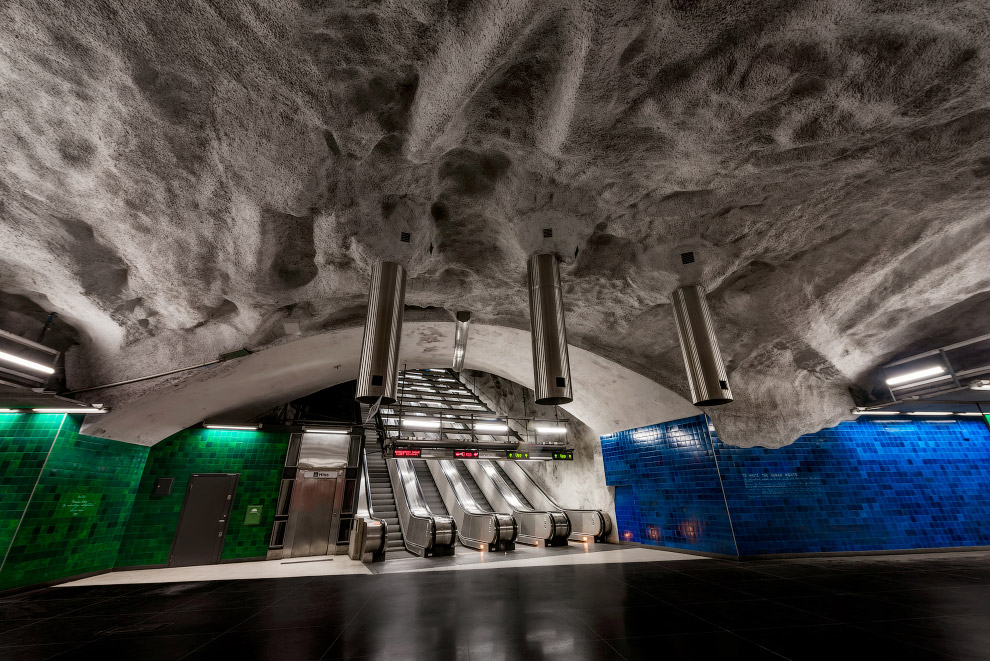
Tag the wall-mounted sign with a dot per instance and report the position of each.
(408, 453)
(466, 454)
(324, 475)
(566, 456)
(517, 455)
(78, 504)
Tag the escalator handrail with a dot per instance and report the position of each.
(470, 511)
(605, 521)
(463, 495)
(420, 528)
(366, 495)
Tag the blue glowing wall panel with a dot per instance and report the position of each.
(667, 489)
(862, 485)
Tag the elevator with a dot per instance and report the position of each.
(316, 500)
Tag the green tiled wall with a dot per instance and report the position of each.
(258, 457)
(76, 518)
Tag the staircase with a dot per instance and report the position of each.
(429, 488)
(429, 394)
(382, 498)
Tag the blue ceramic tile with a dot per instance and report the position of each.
(862, 485)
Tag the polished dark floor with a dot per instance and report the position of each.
(881, 607)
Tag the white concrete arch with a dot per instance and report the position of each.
(607, 396)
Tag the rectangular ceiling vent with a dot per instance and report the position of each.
(405, 237)
(547, 232)
(687, 258)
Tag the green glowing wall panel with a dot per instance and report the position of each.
(76, 517)
(257, 456)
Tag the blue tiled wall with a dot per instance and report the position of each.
(667, 487)
(862, 485)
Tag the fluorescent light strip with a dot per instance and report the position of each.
(30, 364)
(484, 426)
(931, 413)
(8, 410)
(326, 430)
(232, 427)
(970, 413)
(878, 413)
(915, 376)
(65, 410)
(422, 424)
(551, 430)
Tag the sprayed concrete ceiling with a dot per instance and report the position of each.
(182, 179)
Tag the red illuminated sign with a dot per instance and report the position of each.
(466, 454)
(408, 453)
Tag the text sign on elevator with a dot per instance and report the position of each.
(324, 475)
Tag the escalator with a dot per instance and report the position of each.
(382, 503)
(478, 527)
(424, 532)
(538, 527)
(429, 488)
(472, 486)
(512, 487)
(586, 525)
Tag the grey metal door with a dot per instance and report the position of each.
(203, 522)
(311, 512)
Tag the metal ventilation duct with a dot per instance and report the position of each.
(699, 346)
(551, 366)
(382, 332)
(460, 338)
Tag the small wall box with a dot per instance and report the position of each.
(253, 516)
(163, 487)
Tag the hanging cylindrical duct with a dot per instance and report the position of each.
(699, 346)
(379, 368)
(460, 338)
(551, 366)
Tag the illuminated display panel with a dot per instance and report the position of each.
(466, 454)
(567, 456)
(517, 455)
(408, 453)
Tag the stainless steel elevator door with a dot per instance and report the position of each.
(309, 527)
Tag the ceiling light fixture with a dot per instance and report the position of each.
(326, 430)
(487, 426)
(970, 413)
(930, 413)
(30, 364)
(915, 376)
(980, 385)
(67, 410)
(8, 410)
(551, 430)
(233, 427)
(422, 424)
(869, 412)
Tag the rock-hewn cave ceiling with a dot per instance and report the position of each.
(179, 179)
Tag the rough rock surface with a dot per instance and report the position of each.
(181, 179)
